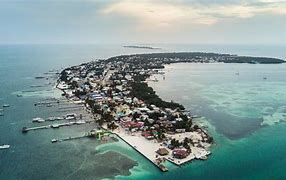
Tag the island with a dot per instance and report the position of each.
(141, 47)
(116, 92)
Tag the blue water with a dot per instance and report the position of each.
(234, 108)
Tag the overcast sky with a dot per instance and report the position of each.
(143, 21)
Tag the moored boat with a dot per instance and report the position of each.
(5, 146)
(38, 119)
(39, 77)
(54, 140)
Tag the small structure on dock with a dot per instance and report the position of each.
(162, 151)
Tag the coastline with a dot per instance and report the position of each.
(150, 153)
(229, 157)
(198, 150)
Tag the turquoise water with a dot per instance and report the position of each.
(240, 111)
(235, 107)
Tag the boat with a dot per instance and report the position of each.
(39, 77)
(195, 116)
(264, 78)
(70, 116)
(59, 118)
(51, 119)
(19, 95)
(1, 109)
(55, 126)
(24, 130)
(1, 114)
(54, 140)
(80, 122)
(38, 119)
(204, 158)
(6, 105)
(5, 146)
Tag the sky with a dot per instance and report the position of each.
(143, 21)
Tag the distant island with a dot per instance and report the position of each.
(199, 57)
(142, 47)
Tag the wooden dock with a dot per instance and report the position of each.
(25, 129)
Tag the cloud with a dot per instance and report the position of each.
(171, 13)
(158, 13)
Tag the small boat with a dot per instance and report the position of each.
(38, 119)
(80, 122)
(51, 118)
(19, 95)
(24, 130)
(5, 146)
(54, 140)
(55, 126)
(39, 77)
(1, 109)
(6, 105)
(70, 118)
(1, 114)
(264, 78)
(204, 158)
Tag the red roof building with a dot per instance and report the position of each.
(180, 153)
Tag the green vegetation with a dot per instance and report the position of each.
(193, 56)
(143, 91)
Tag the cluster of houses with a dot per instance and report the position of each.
(104, 87)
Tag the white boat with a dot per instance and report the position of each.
(52, 118)
(55, 126)
(1, 109)
(1, 114)
(54, 140)
(5, 146)
(38, 119)
(70, 118)
(60, 118)
(80, 122)
(6, 105)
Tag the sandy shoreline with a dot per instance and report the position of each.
(148, 148)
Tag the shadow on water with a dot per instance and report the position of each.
(233, 127)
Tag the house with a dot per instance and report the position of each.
(148, 135)
(132, 124)
(162, 151)
(180, 130)
(180, 153)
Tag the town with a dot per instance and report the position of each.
(116, 93)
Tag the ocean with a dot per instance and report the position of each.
(242, 105)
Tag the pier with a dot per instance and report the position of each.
(69, 138)
(26, 129)
(93, 134)
(47, 103)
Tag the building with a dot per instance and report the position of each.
(162, 151)
(180, 153)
